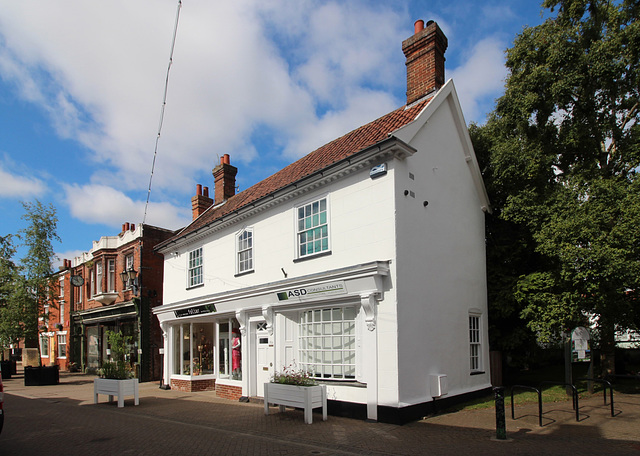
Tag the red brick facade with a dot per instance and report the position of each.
(191, 386)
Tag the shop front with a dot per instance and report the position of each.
(92, 328)
(233, 342)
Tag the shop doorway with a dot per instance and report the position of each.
(264, 357)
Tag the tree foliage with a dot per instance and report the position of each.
(564, 146)
(12, 289)
(38, 236)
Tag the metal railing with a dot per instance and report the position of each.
(605, 383)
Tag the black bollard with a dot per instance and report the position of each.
(501, 426)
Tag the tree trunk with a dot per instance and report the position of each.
(607, 349)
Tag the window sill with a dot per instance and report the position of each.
(195, 286)
(310, 257)
(243, 273)
(477, 373)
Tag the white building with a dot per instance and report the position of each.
(363, 262)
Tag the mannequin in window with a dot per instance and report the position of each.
(236, 355)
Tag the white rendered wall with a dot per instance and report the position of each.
(440, 263)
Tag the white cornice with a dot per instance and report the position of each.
(373, 269)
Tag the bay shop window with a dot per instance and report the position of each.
(211, 348)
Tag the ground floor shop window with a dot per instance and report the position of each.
(327, 342)
(93, 347)
(193, 349)
(230, 349)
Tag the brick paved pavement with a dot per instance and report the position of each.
(174, 422)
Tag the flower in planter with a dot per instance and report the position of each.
(290, 375)
(42, 327)
(59, 326)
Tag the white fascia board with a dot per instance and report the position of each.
(372, 272)
(447, 93)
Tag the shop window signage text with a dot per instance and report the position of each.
(198, 310)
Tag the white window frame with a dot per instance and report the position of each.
(44, 353)
(303, 229)
(92, 280)
(62, 313)
(195, 268)
(111, 275)
(61, 285)
(475, 342)
(244, 247)
(63, 338)
(99, 275)
(317, 343)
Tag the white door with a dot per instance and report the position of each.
(264, 357)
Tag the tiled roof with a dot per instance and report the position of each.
(338, 149)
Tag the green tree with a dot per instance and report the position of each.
(565, 145)
(37, 265)
(11, 288)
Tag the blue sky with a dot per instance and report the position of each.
(81, 89)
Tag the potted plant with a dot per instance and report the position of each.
(116, 378)
(296, 388)
(59, 326)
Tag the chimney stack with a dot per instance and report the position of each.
(225, 180)
(201, 202)
(425, 60)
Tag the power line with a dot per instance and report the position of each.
(164, 103)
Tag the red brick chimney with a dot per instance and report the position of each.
(201, 202)
(225, 180)
(425, 60)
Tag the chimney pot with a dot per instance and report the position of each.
(127, 225)
(133, 227)
(199, 189)
(205, 191)
(123, 228)
(418, 26)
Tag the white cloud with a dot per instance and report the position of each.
(13, 185)
(102, 204)
(480, 80)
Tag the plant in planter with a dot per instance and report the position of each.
(292, 376)
(296, 388)
(116, 376)
(59, 326)
(42, 327)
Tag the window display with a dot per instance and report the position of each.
(230, 351)
(203, 349)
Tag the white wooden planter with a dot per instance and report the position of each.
(119, 388)
(304, 397)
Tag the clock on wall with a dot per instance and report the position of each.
(77, 281)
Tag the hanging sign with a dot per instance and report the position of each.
(193, 311)
(312, 291)
(580, 346)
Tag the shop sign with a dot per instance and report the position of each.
(312, 291)
(580, 348)
(198, 310)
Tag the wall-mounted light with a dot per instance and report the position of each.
(130, 276)
(425, 203)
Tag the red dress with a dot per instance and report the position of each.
(235, 353)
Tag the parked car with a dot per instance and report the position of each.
(1, 401)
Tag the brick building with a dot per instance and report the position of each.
(113, 286)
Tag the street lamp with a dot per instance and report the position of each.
(130, 276)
